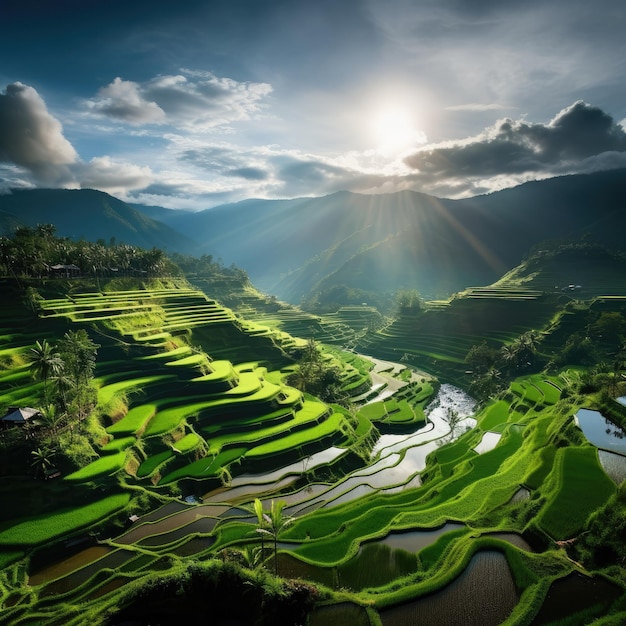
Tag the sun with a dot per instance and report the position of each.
(393, 129)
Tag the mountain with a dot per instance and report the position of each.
(299, 248)
(90, 215)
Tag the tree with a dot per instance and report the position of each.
(79, 354)
(481, 357)
(275, 523)
(43, 459)
(409, 300)
(51, 419)
(44, 363)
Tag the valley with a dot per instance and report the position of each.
(233, 455)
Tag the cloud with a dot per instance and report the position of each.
(569, 142)
(115, 177)
(31, 137)
(191, 99)
(122, 100)
(249, 173)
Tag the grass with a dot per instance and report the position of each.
(43, 528)
(581, 486)
(134, 420)
(104, 466)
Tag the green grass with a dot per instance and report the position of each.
(104, 466)
(581, 487)
(153, 462)
(43, 528)
(494, 414)
(188, 442)
(134, 420)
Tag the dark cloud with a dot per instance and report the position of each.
(249, 173)
(31, 137)
(576, 137)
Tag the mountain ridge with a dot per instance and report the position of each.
(87, 214)
(300, 248)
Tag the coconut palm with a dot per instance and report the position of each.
(44, 363)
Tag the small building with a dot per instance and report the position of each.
(18, 416)
(64, 271)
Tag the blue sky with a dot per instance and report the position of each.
(191, 104)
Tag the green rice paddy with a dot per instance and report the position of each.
(193, 404)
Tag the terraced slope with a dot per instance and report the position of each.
(198, 407)
(438, 339)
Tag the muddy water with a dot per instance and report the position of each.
(202, 525)
(513, 538)
(171, 523)
(484, 595)
(68, 565)
(574, 593)
(78, 577)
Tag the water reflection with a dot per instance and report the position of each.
(600, 431)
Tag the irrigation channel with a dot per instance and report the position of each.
(396, 461)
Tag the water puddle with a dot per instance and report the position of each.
(483, 595)
(68, 565)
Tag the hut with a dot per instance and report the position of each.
(19, 416)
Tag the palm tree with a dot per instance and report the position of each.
(275, 523)
(43, 459)
(44, 362)
(51, 420)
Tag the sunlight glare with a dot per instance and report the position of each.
(393, 129)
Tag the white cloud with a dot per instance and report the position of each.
(115, 177)
(191, 99)
(122, 99)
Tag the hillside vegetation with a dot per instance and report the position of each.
(206, 454)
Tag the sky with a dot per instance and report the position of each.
(193, 104)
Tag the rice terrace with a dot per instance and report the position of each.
(176, 444)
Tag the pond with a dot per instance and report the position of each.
(600, 431)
